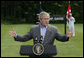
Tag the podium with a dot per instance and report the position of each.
(49, 50)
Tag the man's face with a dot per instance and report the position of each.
(45, 20)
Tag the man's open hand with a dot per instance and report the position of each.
(69, 34)
(12, 33)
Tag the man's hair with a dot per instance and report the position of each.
(41, 14)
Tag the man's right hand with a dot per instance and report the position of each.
(12, 33)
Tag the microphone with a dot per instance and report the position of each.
(41, 39)
(36, 40)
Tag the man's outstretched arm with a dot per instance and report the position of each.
(62, 38)
(26, 37)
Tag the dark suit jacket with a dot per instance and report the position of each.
(50, 36)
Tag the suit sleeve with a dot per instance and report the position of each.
(24, 38)
(60, 37)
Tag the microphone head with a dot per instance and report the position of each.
(41, 37)
(36, 38)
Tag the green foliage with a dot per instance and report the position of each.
(25, 11)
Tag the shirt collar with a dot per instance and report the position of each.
(42, 26)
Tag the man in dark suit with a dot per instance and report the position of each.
(48, 32)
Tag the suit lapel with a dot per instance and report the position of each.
(38, 32)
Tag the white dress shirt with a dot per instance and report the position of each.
(43, 31)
